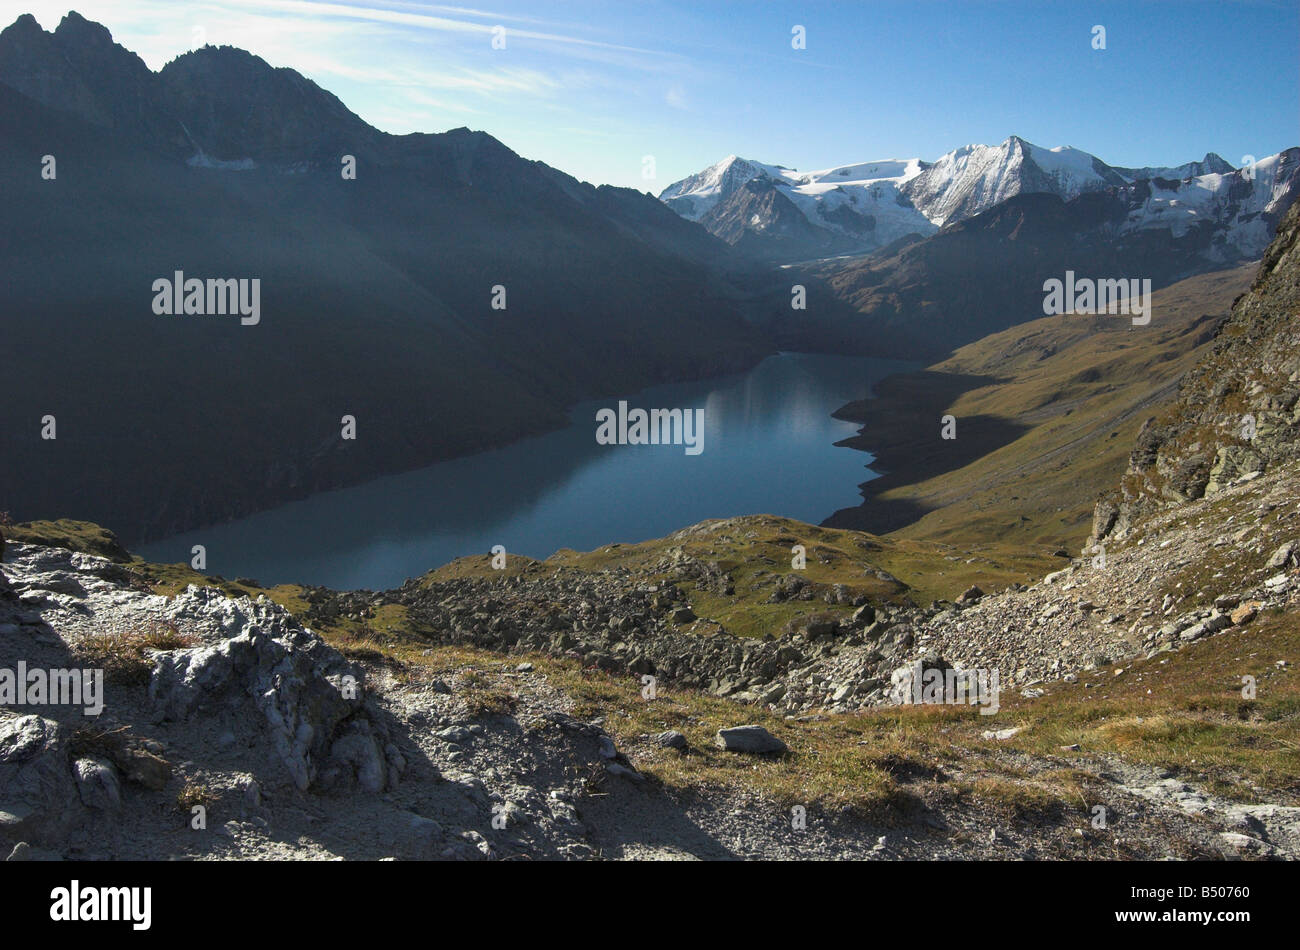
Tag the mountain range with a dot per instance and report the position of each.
(777, 213)
(380, 291)
(935, 255)
(377, 291)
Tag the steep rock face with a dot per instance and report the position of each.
(1238, 411)
(694, 196)
(1211, 164)
(1236, 212)
(77, 68)
(758, 212)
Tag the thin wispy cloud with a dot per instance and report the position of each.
(495, 17)
(691, 82)
(427, 21)
(402, 66)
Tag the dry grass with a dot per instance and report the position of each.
(483, 696)
(96, 743)
(1185, 712)
(1082, 388)
(194, 795)
(1181, 711)
(126, 658)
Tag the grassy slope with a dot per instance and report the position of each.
(1072, 392)
(1181, 711)
(755, 551)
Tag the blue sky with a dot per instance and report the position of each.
(592, 88)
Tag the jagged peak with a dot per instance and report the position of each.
(234, 56)
(25, 34)
(25, 23)
(74, 24)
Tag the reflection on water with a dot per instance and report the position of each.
(768, 449)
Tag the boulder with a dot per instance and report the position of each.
(1245, 613)
(143, 767)
(752, 739)
(905, 682)
(303, 689)
(98, 784)
(820, 627)
(1283, 556)
(38, 794)
(358, 755)
(672, 739)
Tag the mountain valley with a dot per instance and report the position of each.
(1122, 672)
(1062, 623)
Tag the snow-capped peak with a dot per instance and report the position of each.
(692, 197)
(870, 204)
(973, 178)
(848, 200)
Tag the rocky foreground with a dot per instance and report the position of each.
(290, 749)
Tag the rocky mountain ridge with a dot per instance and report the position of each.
(1238, 412)
(855, 209)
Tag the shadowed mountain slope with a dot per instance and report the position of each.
(376, 293)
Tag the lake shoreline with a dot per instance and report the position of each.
(772, 445)
(901, 426)
(248, 507)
